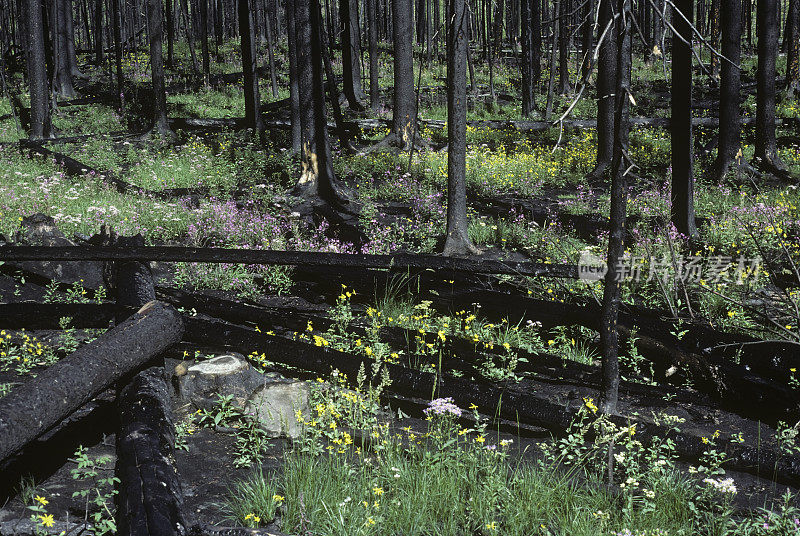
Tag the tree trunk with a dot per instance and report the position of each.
(730, 123)
(766, 155)
(273, 76)
(536, 41)
(563, 47)
(294, 90)
(204, 39)
(117, 16)
(252, 99)
(351, 54)
(404, 103)
(72, 58)
(587, 40)
(150, 499)
(64, 83)
(552, 80)
(98, 32)
(793, 52)
(715, 37)
(154, 30)
(168, 6)
(37, 71)
(526, 61)
(681, 125)
(372, 26)
(32, 408)
(609, 313)
(457, 241)
(606, 86)
(184, 6)
(318, 183)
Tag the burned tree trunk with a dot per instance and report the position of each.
(372, 25)
(457, 241)
(252, 99)
(154, 30)
(528, 103)
(730, 121)
(150, 500)
(64, 82)
(606, 81)
(619, 199)
(404, 102)
(318, 183)
(206, 55)
(681, 124)
(793, 52)
(766, 154)
(32, 408)
(351, 53)
(37, 72)
(294, 88)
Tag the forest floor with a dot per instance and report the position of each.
(527, 200)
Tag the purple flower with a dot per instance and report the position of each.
(443, 406)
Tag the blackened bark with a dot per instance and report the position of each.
(606, 82)
(37, 71)
(64, 82)
(536, 40)
(457, 241)
(681, 125)
(252, 99)
(526, 61)
(351, 53)
(715, 36)
(117, 16)
(32, 408)
(372, 25)
(294, 90)
(609, 313)
(730, 123)
(273, 75)
(184, 7)
(318, 181)
(563, 47)
(69, 31)
(170, 33)
(150, 499)
(154, 31)
(404, 103)
(793, 52)
(766, 155)
(98, 32)
(204, 39)
(587, 39)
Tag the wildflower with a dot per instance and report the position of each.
(278, 498)
(491, 526)
(589, 403)
(370, 521)
(47, 520)
(441, 335)
(41, 500)
(480, 439)
(443, 406)
(377, 491)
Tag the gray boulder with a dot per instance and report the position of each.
(276, 404)
(229, 374)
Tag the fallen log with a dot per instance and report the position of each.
(514, 403)
(735, 386)
(32, 408)
(150, 501)
(273, 257)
